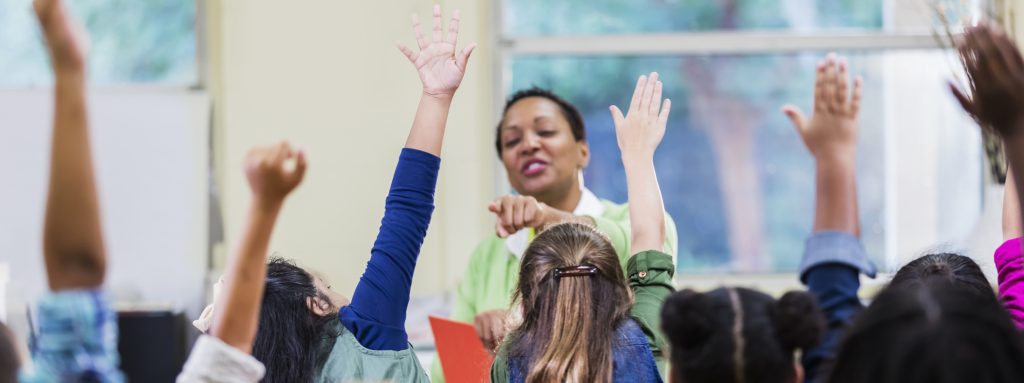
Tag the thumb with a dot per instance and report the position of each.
(796, 117)
(616, 115)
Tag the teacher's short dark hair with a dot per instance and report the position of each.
(569, 111)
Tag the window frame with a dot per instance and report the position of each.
(738, 42)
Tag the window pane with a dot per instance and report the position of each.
(597, 17)
(736, 178)
(151, 42)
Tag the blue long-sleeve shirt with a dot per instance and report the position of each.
(376, 315)
(831, 269)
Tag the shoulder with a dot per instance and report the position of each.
(489, 250)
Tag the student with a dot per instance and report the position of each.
(273, 172)
(933, 332)
(10, 361)
(580, 320)
(1009, 256)
(303, 335)
(541, 140)
(77, 339)
(740, 335)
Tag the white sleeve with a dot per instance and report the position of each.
(212, 360)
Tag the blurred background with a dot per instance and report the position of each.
(182, 88)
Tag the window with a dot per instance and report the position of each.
(132, 42)
(735, 176)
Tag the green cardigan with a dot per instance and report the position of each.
(493, 270)
(650, 291)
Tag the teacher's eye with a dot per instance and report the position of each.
(511, 143)
(547, 133)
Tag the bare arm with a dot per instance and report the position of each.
(72, 236)
(1011, 210)
(639, 132)
(271, 180)
(831, 137)
(441, 71)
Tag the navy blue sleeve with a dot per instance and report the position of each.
(831, 269)
(376, 315)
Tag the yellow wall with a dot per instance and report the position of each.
(326, 75)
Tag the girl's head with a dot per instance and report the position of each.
(294, 317)
(574, 295)
(542, 142)
(948, 267)
(931, 332)
(739, 335)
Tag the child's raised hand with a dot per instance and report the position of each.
(67, 41)
(995, 70)
(440, 68)
(274, 171)
(641, 130)
(832, 130)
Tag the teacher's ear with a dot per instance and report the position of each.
(584, 149)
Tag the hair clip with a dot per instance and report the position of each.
(575, 271)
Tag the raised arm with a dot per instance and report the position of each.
(441, 71)
(995, 97)
(831, 137)
(376, 315)
(639, 132)
(72, 237)
(273, 172)
(834, 257)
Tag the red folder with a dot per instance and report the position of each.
(463, 357)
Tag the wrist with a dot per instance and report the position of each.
(266, 204)
(835, 160)
(639, 157)
(438, 95)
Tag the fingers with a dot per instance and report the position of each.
(417, 29)
(842, 88)
(519, 215)
(829, 83)
(990, 57)
(645, 99)
(299, 172)
(965, 102)
(796, 117)
(463, 58)
(453, 28)
(666, 107)
(655, 99)
(858, 85)
(508, 214)
(819, 87)
(409, 54)
(638, 92)
(497, 330)
(617, 116)
(437, 24)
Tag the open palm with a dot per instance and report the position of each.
(440, 68)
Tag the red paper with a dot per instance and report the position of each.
(463, 357)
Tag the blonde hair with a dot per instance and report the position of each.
(574, 295)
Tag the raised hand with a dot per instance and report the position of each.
(643, 127)
(440, 68)
(832, 129)
(274, 171)
(65, 38)
(516, 212)
(995, 71)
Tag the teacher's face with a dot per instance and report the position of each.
(539, 151)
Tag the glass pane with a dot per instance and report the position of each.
(152, 42)
(736, 178)
(597, 17)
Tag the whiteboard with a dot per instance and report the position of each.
(151, 152)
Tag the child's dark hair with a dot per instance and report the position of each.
(948, 267)
(937, 332)
(569, 111)
(289, 334)
(709, 345)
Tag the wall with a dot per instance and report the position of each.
(327, 75)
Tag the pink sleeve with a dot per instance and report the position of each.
(1010, 265)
